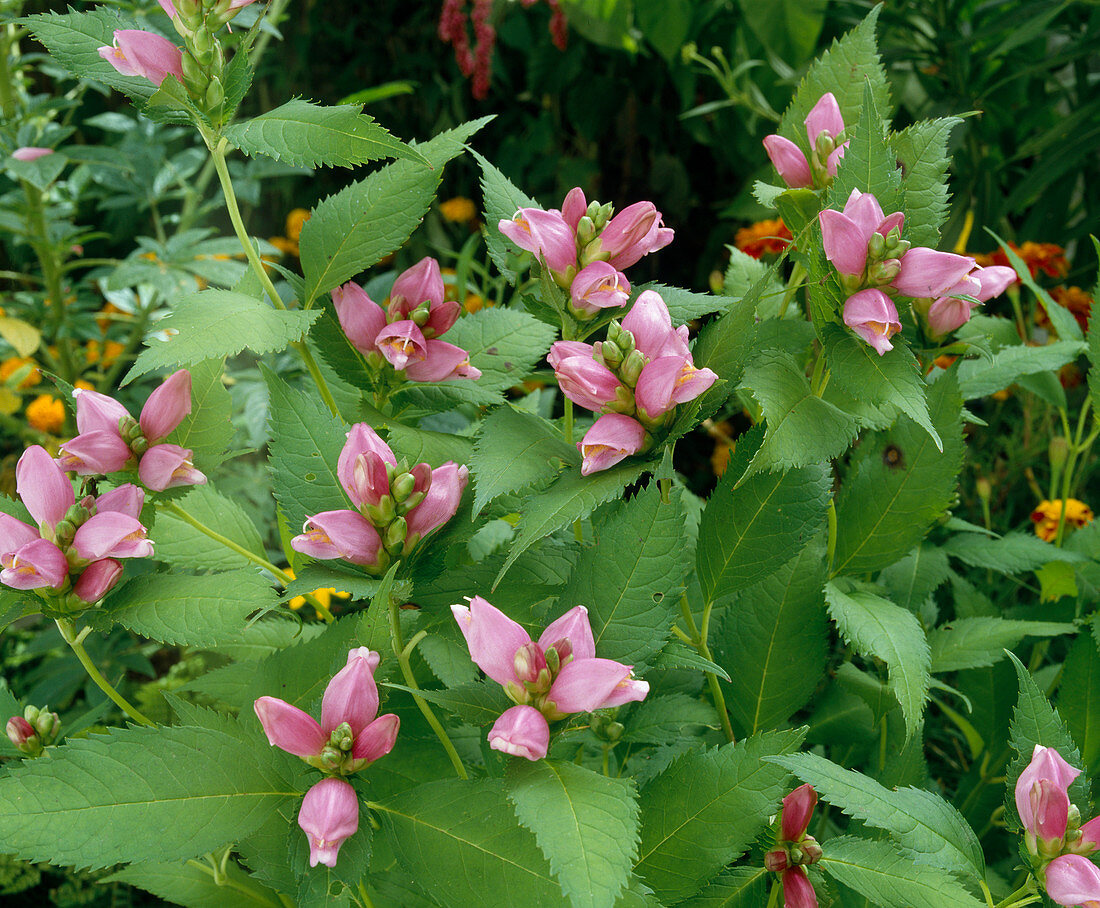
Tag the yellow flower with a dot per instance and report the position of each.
(1048, 513)
(9, 367)
(104, 354)
(323, 595)
(295, 221)
(458, 210)
(83, 385)
(46, 414)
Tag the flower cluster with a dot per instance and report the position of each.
(634, 378)
(825, 130)
(405, 332)
(1047, 515)
(794, 849)
(871, 259)
(350, 736)
(586, 246)
(547, 680)
(111, 439)
(1053, 832)
(36, 729)
(395, 505)
(74, 549)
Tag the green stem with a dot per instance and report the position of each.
(76, 643)
(410, 680)
(240, 885)
(567, 430)
(830, 551)
(798, 273)
(703, 649)
(282, 576)
(137, 332)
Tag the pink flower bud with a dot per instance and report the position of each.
(112, 535)
(611, 438)
(30, 153)
(361, 318)
(167, 466)
(401, 343)
(632, 233)
(139, 53)
(521, 731)
(94, 453)
(351, 695)
(37, 565)
(126, 499)
(575, 627)
(929, 273)
(492, 637)
(833, 160)
(845, 242)
(574, 207)
(584, 380)
(14, 534)
(377, 739)
(545, 233)
(1046, 765)
(599, 286)
(440, 504)
(863, 209)
(873, 316)
(789, 161)
(97, 580)
(288, 728)
(651, 325)
(442, 362)
(44, 488)
(798, 891)
(1073, 880)
(166, 406)
(528, 662)
(587, 684)
(798, 807)
(776, 860)
(340, 534)
(97, 412)
(19, 731)
(824, 117)
(1050, 810)
(361, 468)
(418, 284)
(668, 381)
(993, 281)
(329, 816)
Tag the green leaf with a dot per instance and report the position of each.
(192, 884)
(928, 826)
(363, 223)
(514, 450)
(850, 63)
(802, 428)
(707, 808)
(922, 151)
(586, 825)
(88, 804)
(748, 530)
(981, 377)
(570, 498)
(897, 485)
(876, 627)
(665, 24)
(742, 272)
(678, 655)
(631, 576)
(306, 440)
(207, 430)
(979, 642)
(741, 887)
(770, 627)
(203, 610)
(421, 445)
(876, 870)
(461, 842)
(869, 164)
(502, 200)
(1094, 346)
(306, 135)
(180, 544)
(1079, 699)
(656, 720)
(911, 580)
(1009, 554)
(1035, 721)
(789, 28)
(217, 323)
(686, 305)
(477, 703)
(892, 379)
(1065, 325)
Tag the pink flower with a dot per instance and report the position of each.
(521, 731)
(798, 808)
(948, 313)
(19, 731)
(574, 207)
(798, 891)
(1042, 796)
(94, 453)
(111, 534)
(547, 680)
(14, 534)
(44, 490)
(340, 534)
(823, 122)
(634, 232)
(546, 234)
(166, 407)
(612, 438)
(651, 325)
(448, 481)
(30, 153)
(422, 283)
(582, 379)
(789, 161)
(37, 565)
(929, 273)
(599, 286)
(97, 580)
(668, 381)
(442, 362)
(349, 736)
(1073, 880)
(329, 816)
(846, 235)
(168, 466)
(127, 499)
(361, 318)
(138, 53)
(401, 343)
(361, 468)
(873, 316)
(824, 117)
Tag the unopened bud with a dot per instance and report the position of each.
(884, 272)
(614, 731)
(139, 445)
(610, 353)
(586, 230)
(516, 693)
(20, 731)
(402, 486)
(592, 210)
(825, 144)
(412, 501)
(1073, 818)
(529, 662)
(776, 861)
(811, 851)
(876, 246)
(342, 737)
(984, 488)
(553, 661)
(796, 854)
(381, 513)
(631, 367)
(215, 94)
(65, 531)
(603, 215)
(331, 757)
(202, 42)
(420, 315)
(1058, 451)
(394, 537)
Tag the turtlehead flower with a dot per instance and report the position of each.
(584, 379)
(30, 153)
(1072, 880)
(794, 849)
(1042, 800)
(949, 312)
(599, 286)
(1048, 513)
(824, 128)
(547, 680)
(547, 235)
(350, 735)
(329, 815)
(395, 505)
(634, 232)
(139, 53)
(612, 438)
(872, 315)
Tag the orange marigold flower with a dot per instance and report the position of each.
(763, 238)
(104, 318)
(46, 414)
(1076, 300)
(1048, 513)
(458, 210)
(9, 367)
(1049, 258)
